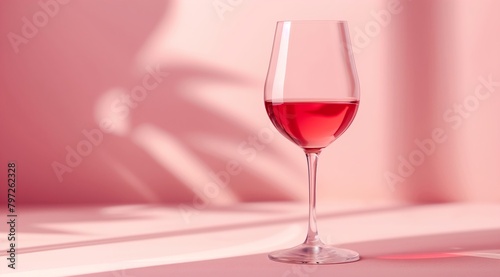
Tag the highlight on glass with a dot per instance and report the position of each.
(311, 95)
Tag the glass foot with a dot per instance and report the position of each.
(314, 254)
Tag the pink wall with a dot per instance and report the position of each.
(445, 81)
(180, 83)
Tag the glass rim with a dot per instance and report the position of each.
(312, 21)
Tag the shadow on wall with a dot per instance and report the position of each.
(89, 126)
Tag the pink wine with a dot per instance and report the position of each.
(312, 124)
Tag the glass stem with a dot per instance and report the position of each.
(312, 164)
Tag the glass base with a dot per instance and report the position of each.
(314, 254)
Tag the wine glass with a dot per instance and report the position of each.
(311, 95)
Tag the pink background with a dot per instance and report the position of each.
(413, 68)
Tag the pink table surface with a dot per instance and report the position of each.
(144, 240)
